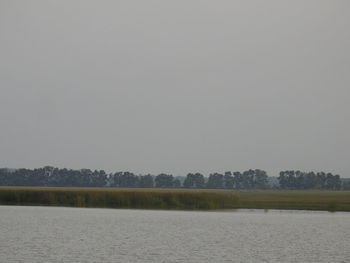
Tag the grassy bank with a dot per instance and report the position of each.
(181, 199)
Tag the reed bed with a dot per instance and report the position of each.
(176, 199)
(324, 200)
(81, 197)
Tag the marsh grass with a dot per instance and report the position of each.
(117, 199)
(296, 199)
(177, 199)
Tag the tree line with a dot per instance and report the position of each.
(250, 179)
(310, 180)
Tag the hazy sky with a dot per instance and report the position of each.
(175, 86)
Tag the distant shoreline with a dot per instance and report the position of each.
(176, 199)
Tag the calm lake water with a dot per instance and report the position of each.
(48, 234)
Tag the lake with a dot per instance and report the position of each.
(58, 234)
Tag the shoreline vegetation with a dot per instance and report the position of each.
(176, 199)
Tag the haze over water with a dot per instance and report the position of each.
(46, 234)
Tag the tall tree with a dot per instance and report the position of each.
(146, 181)
(229, 180)
(194, 181)
(164, 180)
(215, 181)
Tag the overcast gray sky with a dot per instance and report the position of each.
(175, 86)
